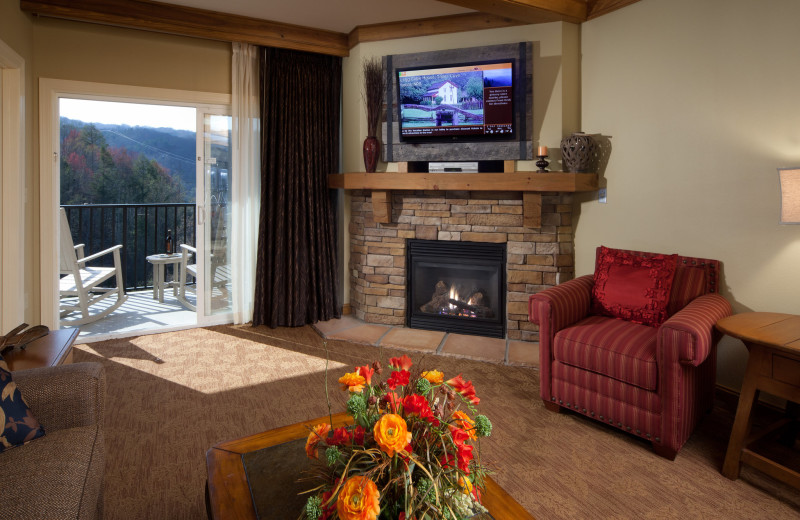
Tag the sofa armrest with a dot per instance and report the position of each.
(64, 396)
(563, 304)
(690, 332)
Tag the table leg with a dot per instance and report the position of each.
(741, 425)
(155, 281)
(160, 283)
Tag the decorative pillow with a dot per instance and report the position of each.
(689, 283)
(633, 288)
(16, 420)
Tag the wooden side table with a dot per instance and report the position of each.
(773, 340)
(51, 350)
(159, 266)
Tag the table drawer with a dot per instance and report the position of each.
(786, 369)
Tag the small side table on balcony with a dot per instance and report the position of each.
(159, 266)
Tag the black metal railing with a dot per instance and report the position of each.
(140, 228)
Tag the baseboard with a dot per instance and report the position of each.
(346, 309)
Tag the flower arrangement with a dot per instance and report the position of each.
(411, 453)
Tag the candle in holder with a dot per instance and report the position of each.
(542, 151)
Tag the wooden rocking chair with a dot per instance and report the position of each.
(81, 281)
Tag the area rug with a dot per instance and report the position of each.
(172, 396)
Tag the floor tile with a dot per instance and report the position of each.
(337, 325)
(413, 339)
(523, 353)
(476, 347)
(369, 334)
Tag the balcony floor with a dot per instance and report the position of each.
(140, 314)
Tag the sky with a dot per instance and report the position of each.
(133, 114)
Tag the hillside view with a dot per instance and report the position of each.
(121, 164)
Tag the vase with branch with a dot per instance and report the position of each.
(374, 91)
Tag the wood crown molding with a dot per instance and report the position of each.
(428, 27)
(213, 25)
(189, 21)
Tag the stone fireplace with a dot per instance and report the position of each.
(536, 258)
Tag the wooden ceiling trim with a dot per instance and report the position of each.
(428, 27)
(189, 21)
(601, 7)
(530, 11)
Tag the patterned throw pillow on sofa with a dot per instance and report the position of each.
(17, 423)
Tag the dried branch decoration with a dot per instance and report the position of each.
(374, 91)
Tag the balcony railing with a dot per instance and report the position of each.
(140, 228)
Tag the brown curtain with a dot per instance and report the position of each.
(296, 271)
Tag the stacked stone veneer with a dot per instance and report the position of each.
(537, 258)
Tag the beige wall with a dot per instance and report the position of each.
(87, 52)
(556, 94)
(700, 102)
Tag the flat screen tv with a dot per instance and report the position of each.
(459, 102)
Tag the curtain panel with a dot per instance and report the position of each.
(296, 273)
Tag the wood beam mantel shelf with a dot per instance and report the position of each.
(531, 184)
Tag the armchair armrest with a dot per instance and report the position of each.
(690, 331)
(98, 255)
(64, 396)
(560, 306)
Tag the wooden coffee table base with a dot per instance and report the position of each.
(228, 491)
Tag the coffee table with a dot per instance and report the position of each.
(255, 477)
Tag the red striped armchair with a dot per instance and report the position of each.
(621, 354)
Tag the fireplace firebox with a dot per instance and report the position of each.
(456, 287)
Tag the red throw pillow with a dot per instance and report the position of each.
(633, 288)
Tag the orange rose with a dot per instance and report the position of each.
(352, 382)
(320, 432)
(358, 500)
(464, 422)
(391, 433)
(434, 377)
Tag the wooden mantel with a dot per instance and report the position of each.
(531, 184)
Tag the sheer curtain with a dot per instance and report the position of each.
(246, 180)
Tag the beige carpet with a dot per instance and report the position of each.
(172, 396)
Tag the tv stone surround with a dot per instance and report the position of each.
(537, 258)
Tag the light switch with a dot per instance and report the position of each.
(601, 196)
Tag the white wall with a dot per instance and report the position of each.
(699, 99)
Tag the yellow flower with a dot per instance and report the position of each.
(465, 484)
(352, 382)
(320, 432)
(464, 422)
(358, 500)
(391, 433)
(434, 377)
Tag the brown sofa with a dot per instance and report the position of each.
(59, 475)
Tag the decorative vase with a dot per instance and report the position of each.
(577, 151)
(371, 153)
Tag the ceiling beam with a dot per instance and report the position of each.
(530, 11)
(189, 21)
(428, 27)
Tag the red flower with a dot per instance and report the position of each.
(416, 404)
(365, 372)
(464, 388)
(403, 362)
(358, 435)
(328, 509)
(340, 436)
(463, 450)
(398, 378)
(391, 399)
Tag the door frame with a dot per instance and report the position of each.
(50, 90)
(13, 175)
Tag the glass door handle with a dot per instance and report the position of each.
(201, 215)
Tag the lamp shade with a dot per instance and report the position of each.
(790, 195)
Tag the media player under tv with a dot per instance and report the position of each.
(443, 167)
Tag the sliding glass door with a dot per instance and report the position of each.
(214, 216)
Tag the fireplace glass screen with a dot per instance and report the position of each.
(457, 287)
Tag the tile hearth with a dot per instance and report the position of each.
(493, 350)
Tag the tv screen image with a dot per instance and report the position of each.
(461, 102)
